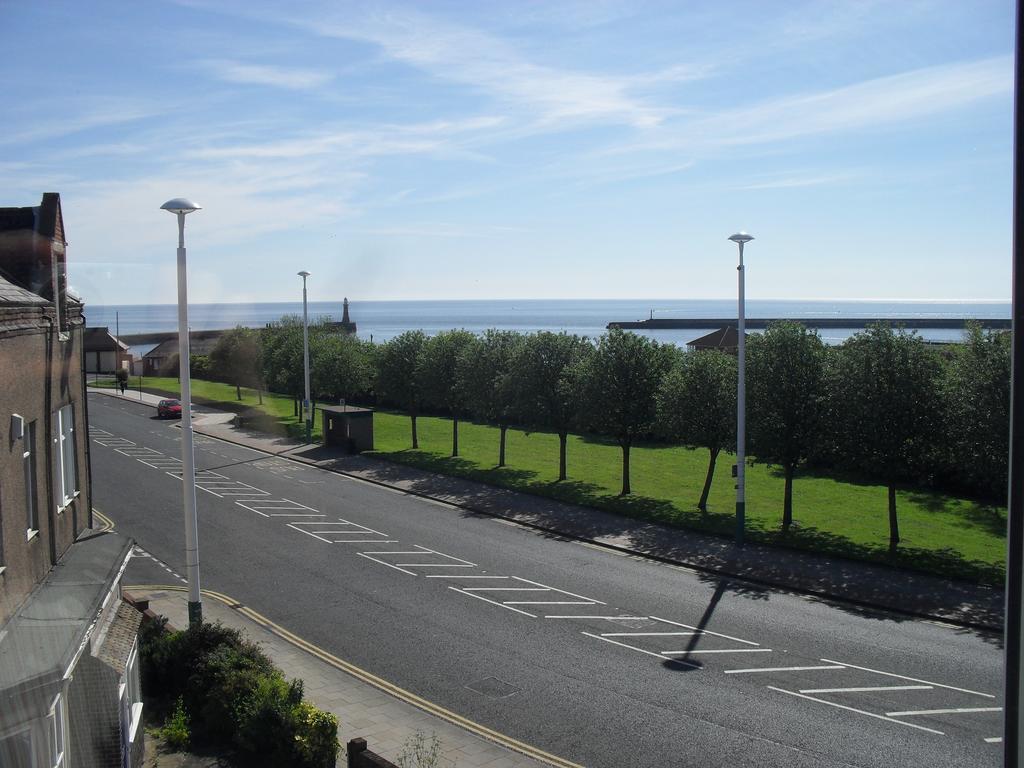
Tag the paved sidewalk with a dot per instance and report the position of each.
(386, 721)
(859, 583)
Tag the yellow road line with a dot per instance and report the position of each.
(108, 524)
(372, 679)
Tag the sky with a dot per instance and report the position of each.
(517, 149)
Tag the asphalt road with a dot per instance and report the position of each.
(600, 658)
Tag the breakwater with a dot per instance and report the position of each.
(667, 323)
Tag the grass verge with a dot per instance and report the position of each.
(941, 534)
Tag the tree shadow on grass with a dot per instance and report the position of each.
(989, 518)
(464, 468)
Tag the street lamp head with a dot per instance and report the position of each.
(181, 205)
(304, 274)
(741, 237)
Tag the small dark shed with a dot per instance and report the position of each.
(348, 427)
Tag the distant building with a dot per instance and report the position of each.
(162, 360)
(69, 682)
(104, 352)
(725, 339)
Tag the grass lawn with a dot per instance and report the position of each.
(941, 534)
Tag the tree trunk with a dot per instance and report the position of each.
(787, 500)
(259, 392)
(894, 526)
(703, 505)
(295, 407)
(238, 391)
(415, 439)
(501, 445)
(625, 469)
(455, 437)
(562, 437)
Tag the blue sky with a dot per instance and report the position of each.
(593, 149)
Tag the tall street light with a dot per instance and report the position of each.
(182, 206)
(307, 410)
(740, 238)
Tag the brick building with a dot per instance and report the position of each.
(69, 692)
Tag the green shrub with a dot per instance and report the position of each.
(316, 737)
(176, 731)
(199, 366)
(264, 719)
(222, 678)
(226, 690)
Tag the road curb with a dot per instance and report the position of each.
(787, 587)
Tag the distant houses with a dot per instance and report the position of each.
(104, 352)
(162, 360)
(725, 339)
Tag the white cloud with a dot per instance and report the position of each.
(796, 180)
(263, 74)
(551, 96)
(882, 101)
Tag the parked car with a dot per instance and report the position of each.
(168, 409)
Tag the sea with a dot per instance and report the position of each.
(382, 320)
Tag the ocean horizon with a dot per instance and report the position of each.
(383, 320)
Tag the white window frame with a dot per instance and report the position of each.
(28, 458)
(33, 742)
(66, 461)
(57, 733)
(130, 694)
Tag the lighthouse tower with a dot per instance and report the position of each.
(347, 325)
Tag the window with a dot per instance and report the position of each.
(16, 749)
(65, 476)
(28, 458)
(130, 694)
(55, 733)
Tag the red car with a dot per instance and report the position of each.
(168, 409)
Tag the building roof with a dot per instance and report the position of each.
(102, 340)
(197, 346)
(17, 218)
(723, 338)
(43, 638)
(15, 294)
(45, 218)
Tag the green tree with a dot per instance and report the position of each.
(883, 385)
(976, 394)
(485, 369)
(696, 406)
(235, 359)
(786, 399)
(398, 363)
(541, 386)
(439, 371)
(282, 363)
(341, 366)
(619, 385)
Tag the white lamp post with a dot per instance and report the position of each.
(741, 399)
(306, 405)
(181, 206)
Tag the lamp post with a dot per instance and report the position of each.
(306, 409)
(181, 206)
(740, 238)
